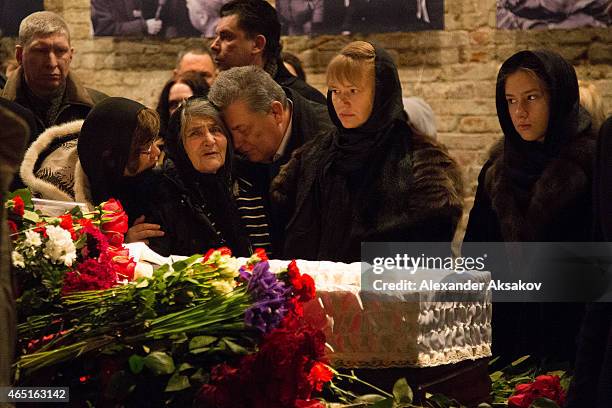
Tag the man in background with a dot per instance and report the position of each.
(248, 33)
(43, 82)
(197, 59)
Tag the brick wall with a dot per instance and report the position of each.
(454, 69)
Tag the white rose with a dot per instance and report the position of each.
(18, 260)
(59, 247)
(32, 239)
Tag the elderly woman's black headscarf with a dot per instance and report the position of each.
(525, 161)
(105, 143)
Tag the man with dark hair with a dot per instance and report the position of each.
(248, 33)
(43, 82)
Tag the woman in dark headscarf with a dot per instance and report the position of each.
(372, 179)
(194, 204)
(536, 186)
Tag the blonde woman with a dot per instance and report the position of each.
(371, 178)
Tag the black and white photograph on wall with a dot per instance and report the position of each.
(553, 14)
(13, 11)
(161, 18)
(311, 17)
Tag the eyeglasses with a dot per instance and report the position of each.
(149, 151)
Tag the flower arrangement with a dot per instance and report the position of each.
(88, 322)
(73, 252)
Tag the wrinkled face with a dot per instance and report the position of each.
(528, 105)
(232, 47)
(45, 62)
(179, 92)
(256, 135)
(147, 158)
(205, 144)
(353, 102)
(200, 63)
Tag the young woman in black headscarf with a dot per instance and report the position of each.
(371, 179)
(194, 202)
(536, 187)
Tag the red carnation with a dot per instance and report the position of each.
(12, 227)
(308, 291)
(261, 253)
(66, 223)
(319, 375)
(18, 206)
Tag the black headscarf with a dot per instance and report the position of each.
(213, 191)
(354, 157)
(525, 161)
(353, 146)
(104, 145)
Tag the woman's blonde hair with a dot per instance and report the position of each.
(348, 65)
(591, 100)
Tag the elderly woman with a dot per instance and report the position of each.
(536, 187)
(194, 204)
(372, 178)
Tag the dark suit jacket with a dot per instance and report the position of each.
(309, 120)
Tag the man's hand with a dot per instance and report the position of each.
(141, 231)
(153, 26)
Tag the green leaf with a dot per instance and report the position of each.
(200, 376)
(31, 216)
(543, 403)
(402, 391)
(235, 348)
(184, 366)
(180, 265)
(177, 383)
(519, 361)
(496, 376)
(200, 342)
(369, 398)
(200, 350)
(136, 363)
(159, 363)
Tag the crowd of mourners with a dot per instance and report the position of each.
(242, 152)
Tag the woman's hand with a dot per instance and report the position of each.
(141, 231)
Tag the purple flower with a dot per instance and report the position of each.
(270, 297)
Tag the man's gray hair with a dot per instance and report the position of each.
(41, 24)
(249, 84)
(199, 108)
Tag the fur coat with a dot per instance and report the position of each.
(51, 167)
(416, 195)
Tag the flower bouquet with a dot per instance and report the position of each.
(86, 321)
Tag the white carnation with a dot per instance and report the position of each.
(18, 260)
(59, 247)
(32, 239)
